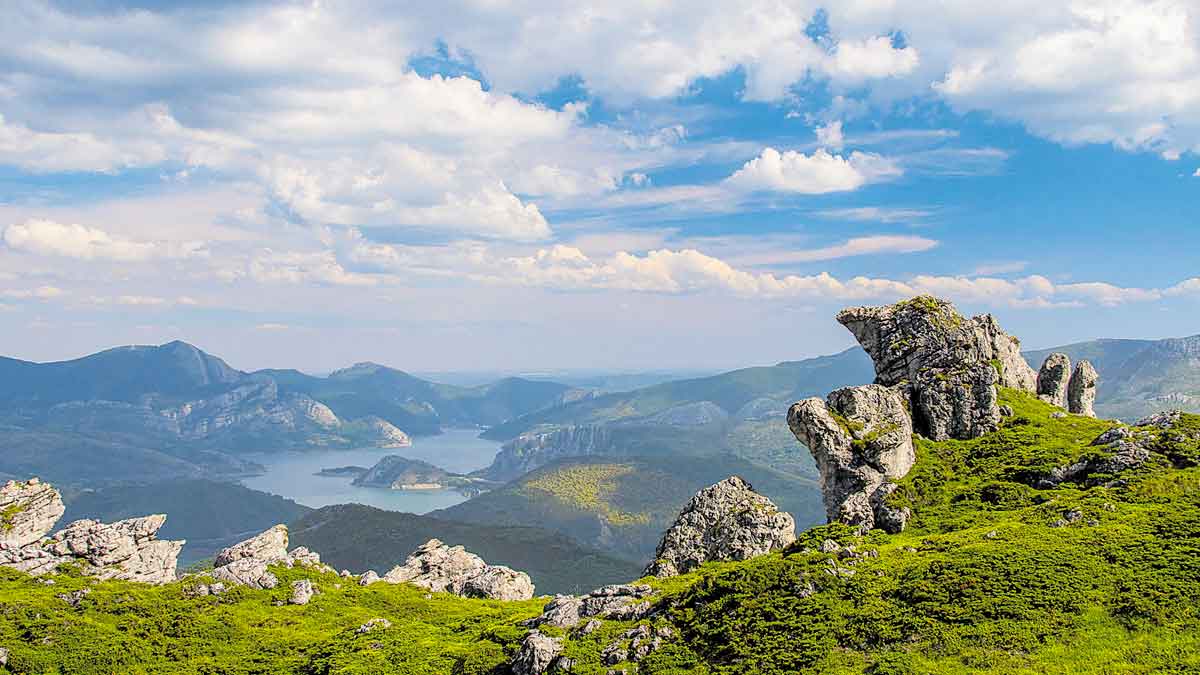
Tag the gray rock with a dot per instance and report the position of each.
(725, 521)
(438, 567)
(373, 625)
(622, 602)
(940, 359)
(1123, 448)
(861, 440)
(536, 655)
(1163, 420)
(1081, 390)
(28, 511)
(1052, 379)
(3, 656)
(247, 572)
(369, 577)
(302, 591)
(269, 546)
(125, 550)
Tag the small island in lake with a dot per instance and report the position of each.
(401, 473)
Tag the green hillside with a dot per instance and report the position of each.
(355, 537)
(993, 575)
(623, 505)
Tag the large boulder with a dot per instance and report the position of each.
(938, 357)
(861, 439)
(620, 602)
(125, 550)
(725, 521)
(1052, 379)
(1081, 390)
(248, 563)
(537, 655)
(28, 510)
(269, 546)
(438, 567)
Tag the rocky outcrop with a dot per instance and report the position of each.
(248, 563)
(126, 550)
(1081, 390)
(438, 567)
(861, 439)
(302, 592)
(725, 521)
(28, 510)
(620, 602)
(1052, 379)
(534, 450)
(941, 361)
(537, 655)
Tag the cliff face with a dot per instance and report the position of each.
(534, 450)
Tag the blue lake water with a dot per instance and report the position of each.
(291, 474)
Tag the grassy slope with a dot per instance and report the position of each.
(623, 505)
(980, 582)
(360, 537)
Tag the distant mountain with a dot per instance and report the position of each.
(740, 412)
(173, 411)
(356, 537)
(622, 505)
(1138, 377)
(210, 515)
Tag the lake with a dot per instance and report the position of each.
(291, 474)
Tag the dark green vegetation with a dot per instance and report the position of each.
(623, 505)
(993, 575)
(360, 537)
(210, 515)
(1138, 377)
(142, 414)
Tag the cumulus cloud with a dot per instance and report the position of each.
(818, 173)
(872, 58)
(47, 237)
(830, 135)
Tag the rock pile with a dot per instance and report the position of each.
(946, 365)
(725, 521)
(438, 567)
(861, 439)
(125, 550)
(28, 511)
(621, 602)
(248, 563)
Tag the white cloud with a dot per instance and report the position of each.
(39, 293)
(818, 173)
(858, 246)
(877, 214)
(282, 267)
(1197, 174)
(872, 58)
(830, 135)
(47, 237)
(1011, 267)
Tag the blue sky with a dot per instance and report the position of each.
(522, 186)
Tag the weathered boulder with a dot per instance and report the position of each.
(438, 567)
(1081, 390)
(248, 563)
(1052, 379)
(125, 550)
(302, 592)
(621, 602)
(269, 546)
(28, 510)
(861, 439)
(925, 346)
(725, 521)
(537, 655)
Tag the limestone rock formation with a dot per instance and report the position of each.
(621, 602)
(28, 511)
(302, 592)
(248, 563)
(725, 521)
(861, 439)
(1081, 391)
(125, 550)
(537, 655)
(1052, 379)
(438, 567)
(941, 360)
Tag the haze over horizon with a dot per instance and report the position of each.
(537, 186)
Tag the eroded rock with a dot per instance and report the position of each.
(941, 361)
(861, 439)
(302, 592)
(1053, 378)
(438, 567)
(537, 654)
(621, 602)
(125, 550)
(725, 521)
(248, 563)
(269, 546)
(28, 510)
(1081, 390)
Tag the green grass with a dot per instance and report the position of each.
(992, 575)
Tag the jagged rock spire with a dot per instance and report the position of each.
(1052, 379)
(1081, 390)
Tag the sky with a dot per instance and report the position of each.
(525, 185)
